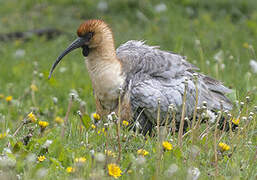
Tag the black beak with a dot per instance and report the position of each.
(79, 42)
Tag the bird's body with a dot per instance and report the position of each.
(143, 74)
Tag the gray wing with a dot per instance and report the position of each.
(153, 73)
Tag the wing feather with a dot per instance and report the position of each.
(153, 73)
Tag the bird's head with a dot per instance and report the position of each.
(92, 34)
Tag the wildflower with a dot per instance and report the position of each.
(224, 147)
(93, 126)
(70, 169)
(142, 152)
(110, 153)
(166, 145)
(33, 87)
(96, 116)
(59, 120)
(1, 96)
(41, 158)
(114, 170)
(2, 135)
(253, 65)
(43, 124)
(246, 45)
(99, 157)
(125, 123)
(80, 160)
(8, 99)
(32, 117)
(235, 121)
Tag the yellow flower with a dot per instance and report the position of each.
(96, 116)
(70, 169)
(235, 121)
(43, 124)
(166, 145)
(125, 123)
(80, 160)
(93, 126)
(1, 96)
(2, 135)
(8, 98)
(142, 152)
(59, 120)
(224, 147)
(33, 87)
(41, 158)
(110, 153)
(114, 170)
(32, 117)
(246, 45)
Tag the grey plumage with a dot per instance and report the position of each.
(152, 73)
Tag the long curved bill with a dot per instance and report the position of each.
(74, 45)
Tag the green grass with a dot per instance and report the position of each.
(229, 27)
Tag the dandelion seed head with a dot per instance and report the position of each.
(55, 100)
(193, 173)
(140, 160)
(171, 170)
(160, 7)
(47, 143)
(102, 6)
(42, 172)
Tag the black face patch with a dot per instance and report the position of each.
(88, 36)
(85, 50)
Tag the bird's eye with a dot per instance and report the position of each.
(89, 35)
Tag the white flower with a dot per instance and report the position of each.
(47, 143)
(171, 170)
(212, 116)
(42, 172)
(160, 7)
(140, 160)
(100, 157)
(193, 173)
(6, 161)
(102, 6)
(74, 94)
(19, 53)
(62, 69)
(253, 65)
(219, 56)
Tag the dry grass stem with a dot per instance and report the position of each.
(67, 116)
(118, 125)
(215, 144)
(181, 127)
(159, 152)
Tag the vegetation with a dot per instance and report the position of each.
(42, 134)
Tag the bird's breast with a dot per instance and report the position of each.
(106, 80)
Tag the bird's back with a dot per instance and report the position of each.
(152, 73)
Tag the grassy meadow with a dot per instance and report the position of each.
(48, 129)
